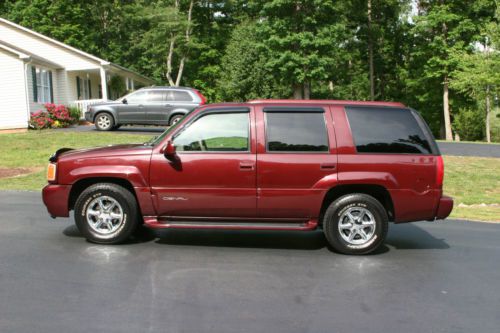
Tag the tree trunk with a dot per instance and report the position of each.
(446, 109)
(488, 112)
(307, 90)
(370, 51)
(297, 91)
(169, 60)
(188, 34)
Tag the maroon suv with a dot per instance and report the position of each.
(346, 167)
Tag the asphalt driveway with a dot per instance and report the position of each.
(431, 277)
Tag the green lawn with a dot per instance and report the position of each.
(472, 181)
(33, 149)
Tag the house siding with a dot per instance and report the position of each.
(13, 110)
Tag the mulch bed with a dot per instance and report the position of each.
(16, 172)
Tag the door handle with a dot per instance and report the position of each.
(246, 166)
(168, 104)
(140, 105)
(327, 166)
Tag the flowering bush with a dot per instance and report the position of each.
(55, 116)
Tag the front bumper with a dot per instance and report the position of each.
(444, 208)
(56, 199)
(89, 116)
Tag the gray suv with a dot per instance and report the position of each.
(147, 106)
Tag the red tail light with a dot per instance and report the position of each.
(439, 171)
(200, 95)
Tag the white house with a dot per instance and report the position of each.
(35, 69)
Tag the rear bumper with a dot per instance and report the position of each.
(444, 208)
(55, 198)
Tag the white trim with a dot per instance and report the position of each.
(101, 62)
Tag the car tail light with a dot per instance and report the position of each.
(200, 95)
(439, 171)
(51, 172)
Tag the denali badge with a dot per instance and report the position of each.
(174, 198)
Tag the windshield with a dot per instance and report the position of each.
(157, 139)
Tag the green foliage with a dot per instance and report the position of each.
(469, 124)
(240, 50)
(117, 85)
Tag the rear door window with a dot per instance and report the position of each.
(387, 130)
(296, 131)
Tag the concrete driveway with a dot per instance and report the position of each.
(430, 277)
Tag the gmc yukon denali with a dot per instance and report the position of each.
(346, 167)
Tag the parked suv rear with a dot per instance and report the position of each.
(346, 167)
(147, 106)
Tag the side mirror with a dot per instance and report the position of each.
(169, 151)
(124, 101)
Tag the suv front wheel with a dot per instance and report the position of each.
(355, 224)
(106, 213)
(104, 121)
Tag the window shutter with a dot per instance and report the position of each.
(33, 79)
(78, 87)
(90, 90)
(51, 88)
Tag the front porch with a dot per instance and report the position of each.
(85, 87)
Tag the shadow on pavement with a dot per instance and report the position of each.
(401, 237)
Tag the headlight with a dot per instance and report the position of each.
(51, 172)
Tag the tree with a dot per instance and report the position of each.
(442, 28)
(302, 39)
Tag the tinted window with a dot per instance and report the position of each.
(156, 96)
(178, 96)
(386, 130)
(137, 97)
(296, 131)
(216, 132)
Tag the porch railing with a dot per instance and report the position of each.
(84, 103)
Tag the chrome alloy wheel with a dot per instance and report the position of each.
(103, 121)
(357, 226)
(104, 215)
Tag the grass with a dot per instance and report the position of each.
(471, 181)
(33, 149)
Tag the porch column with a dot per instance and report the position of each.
(104, 84)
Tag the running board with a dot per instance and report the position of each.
(153, 222)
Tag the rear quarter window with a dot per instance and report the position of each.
(388, 130)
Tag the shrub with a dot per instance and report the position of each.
(74, 113)
(40, 120)
(469, 124)
(55, 116)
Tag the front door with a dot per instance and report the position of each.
(133, 110)
(215, 174)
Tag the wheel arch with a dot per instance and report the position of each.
(78, 187)
(112, 113)
(377, 191)
(176, 112)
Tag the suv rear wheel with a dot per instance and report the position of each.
(355, 224)
(175, 119)
(104, 121)
(106, 213)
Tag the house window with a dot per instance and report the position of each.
(83, 87)
(42, 87)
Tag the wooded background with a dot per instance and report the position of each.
(440, 57)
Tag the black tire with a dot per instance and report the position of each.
(175, 119)
(127, 205)
(104, 121)
(341, 211)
